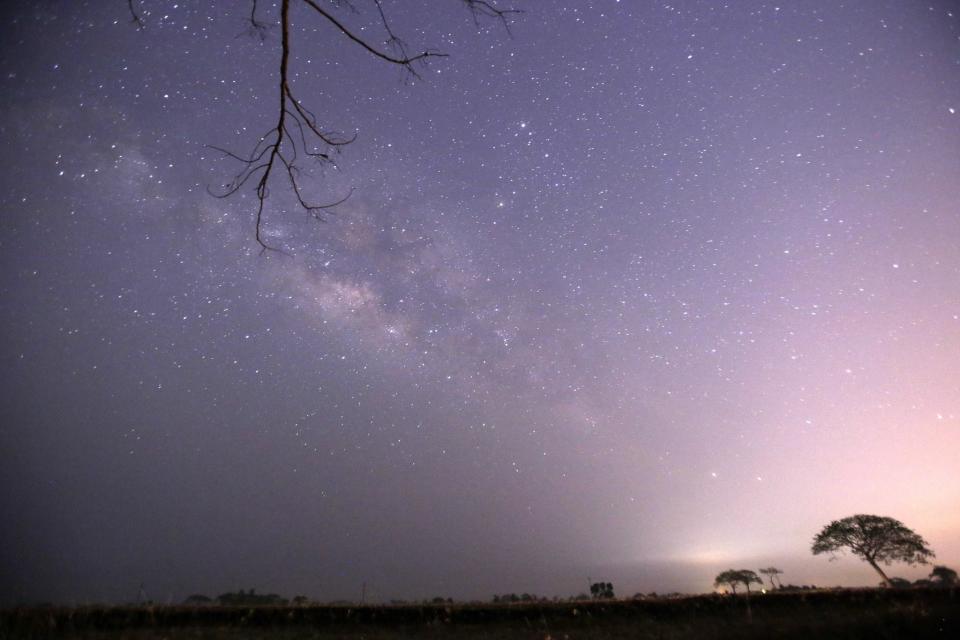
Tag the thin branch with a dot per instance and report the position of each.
(393, 40)
(135, 17)
(249, 160)
(256, 28)
(311, 121)
(487, 9)
(405, 61)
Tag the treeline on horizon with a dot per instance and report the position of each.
(250, 597)
(940, 577)
(877, 540)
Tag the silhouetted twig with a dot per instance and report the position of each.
(135, 17)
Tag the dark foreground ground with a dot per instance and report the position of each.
(868, 613)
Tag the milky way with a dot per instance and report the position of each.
(632, 291)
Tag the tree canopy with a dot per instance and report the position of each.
(875, 539)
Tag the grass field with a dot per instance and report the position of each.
(849, 614)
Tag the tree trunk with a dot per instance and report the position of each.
(876, 567)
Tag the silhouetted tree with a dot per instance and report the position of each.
(875, 539)
(734, 577)
(771, 573)
(728, 578)
(943, 576)
(198, 599)
(602, 590)
(748, 577)
(251, 597)
(298, 135)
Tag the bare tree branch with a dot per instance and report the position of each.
(406, 61)
(487, 9)
(297, 131)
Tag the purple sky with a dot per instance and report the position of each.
(643, 292)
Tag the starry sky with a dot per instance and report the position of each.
(636, 291)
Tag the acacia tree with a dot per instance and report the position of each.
(876, 539)
(771, 573)
(733, 577)
(297, 135)
(748, 577)
(727, 578)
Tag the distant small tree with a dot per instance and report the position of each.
(943, 576)
(248, 598)
(198, 599)
(602, 590)
(771, 573)
(875, 539)
(899, 583)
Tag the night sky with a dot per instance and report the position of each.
(635, 292)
